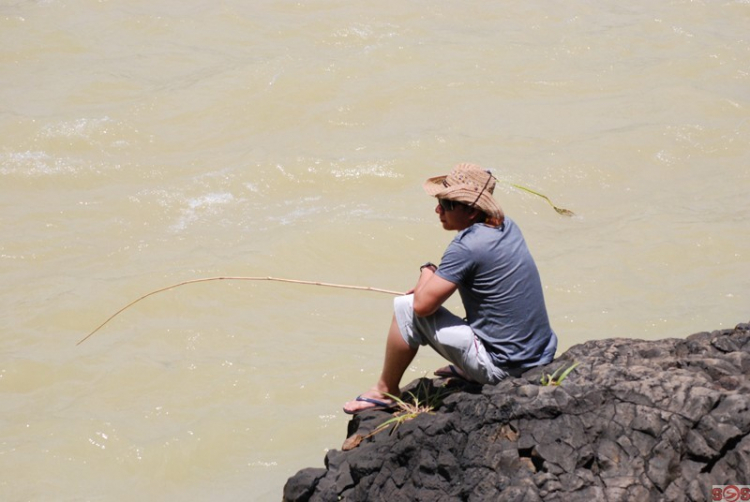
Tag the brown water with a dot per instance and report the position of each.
(147, 143)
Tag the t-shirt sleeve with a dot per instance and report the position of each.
(456, 265)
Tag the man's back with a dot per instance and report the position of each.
(501, 291)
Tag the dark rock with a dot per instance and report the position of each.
(303, 484)
(636, 420)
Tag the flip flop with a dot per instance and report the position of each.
(378, 405)
(451, 373)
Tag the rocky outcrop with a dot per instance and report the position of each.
(636, 420)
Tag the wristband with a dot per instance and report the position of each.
(428, 264)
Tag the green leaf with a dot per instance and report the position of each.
(566, 373)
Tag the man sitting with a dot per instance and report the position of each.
(506, 330)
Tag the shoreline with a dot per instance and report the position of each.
(637, 420)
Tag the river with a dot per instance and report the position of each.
(146, 143)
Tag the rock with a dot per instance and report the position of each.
(636, 420)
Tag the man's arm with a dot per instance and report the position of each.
(431, 292)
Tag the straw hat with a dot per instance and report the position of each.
(469, 184)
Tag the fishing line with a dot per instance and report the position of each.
(229, 278)
(560, 210)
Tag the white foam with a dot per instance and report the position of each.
(34, 163)
(205, 204)
(371, 169)
(78, 128)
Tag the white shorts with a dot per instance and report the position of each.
(450, 336)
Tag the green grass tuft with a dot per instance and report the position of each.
(558, 376)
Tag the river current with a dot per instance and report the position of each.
(146, 143)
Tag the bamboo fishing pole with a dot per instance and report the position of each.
(236, 278)
(562, 211)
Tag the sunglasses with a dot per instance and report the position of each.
(447, 205)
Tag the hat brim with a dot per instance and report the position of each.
(434, 186)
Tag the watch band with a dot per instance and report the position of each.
(428, 264)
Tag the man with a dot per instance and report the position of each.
(506, 329)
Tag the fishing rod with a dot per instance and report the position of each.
(562, 211)
(236, 278)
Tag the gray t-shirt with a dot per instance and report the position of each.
(502, 293)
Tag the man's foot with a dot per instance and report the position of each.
(370, 400)
(451, 371)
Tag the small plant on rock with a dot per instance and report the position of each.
(406, 410)
(558, 376)
(413, 407)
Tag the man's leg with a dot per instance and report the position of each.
(453, 338)
(398, 356)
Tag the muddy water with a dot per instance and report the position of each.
(155, 142)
